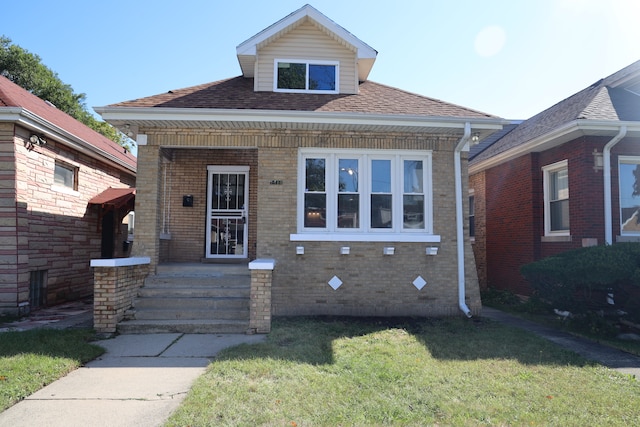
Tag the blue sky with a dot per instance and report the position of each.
(510, 58)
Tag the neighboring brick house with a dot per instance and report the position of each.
(564, 179)
(352, 187)
(51, 166)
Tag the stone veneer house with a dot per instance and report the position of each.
(54, 170)
(353, 188)
(567, 177)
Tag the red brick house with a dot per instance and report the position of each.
(50, 228)
(565, 178)
(351, 187)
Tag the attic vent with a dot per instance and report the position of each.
(49, 103)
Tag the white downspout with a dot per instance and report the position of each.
(606, 159)
(459, 218)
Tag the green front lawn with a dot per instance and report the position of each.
(364, 372)
(32, 359)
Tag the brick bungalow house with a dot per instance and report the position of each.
(353, 188)
(52, 167)
(565, 178)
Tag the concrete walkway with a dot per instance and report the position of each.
(142, 379)
(139, 381)
(615, 359)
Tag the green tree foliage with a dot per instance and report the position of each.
(27, 70)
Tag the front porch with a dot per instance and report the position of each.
(182, 297)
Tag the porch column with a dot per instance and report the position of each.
(260, 297)
(146, 242)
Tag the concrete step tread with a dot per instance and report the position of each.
(210, 326)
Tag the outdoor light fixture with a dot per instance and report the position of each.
(127, 130)
(598, 160)
(37, 140)
(475, 137)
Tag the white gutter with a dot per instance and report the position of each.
(459, 219)
(606, 158)
(133, 115)
(34, 122)
(558, 136)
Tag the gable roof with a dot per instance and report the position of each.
(247, 50)
(593, 110)
(21, 106)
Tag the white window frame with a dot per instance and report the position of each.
(629, 160)
(547, 171)
(307, 62)
(398, 233)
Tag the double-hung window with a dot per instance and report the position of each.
(345, 194)
(556, 198)
(629, 176)
(292, 75)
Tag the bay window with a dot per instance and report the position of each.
(364, 193)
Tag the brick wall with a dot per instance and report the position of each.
(46, 227)
(115, 290)
(514, 217)
(374, 284)
(477, 183)
(186, 174)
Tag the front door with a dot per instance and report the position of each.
(227, 209)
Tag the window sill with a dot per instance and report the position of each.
(628, 238)
(65, 190)
(365, 237)
(556, 238)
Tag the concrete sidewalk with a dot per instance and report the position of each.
(615, 359)
(139, 381)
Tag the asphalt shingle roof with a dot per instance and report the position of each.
(12, 95)
(238, 93)
(596, 102)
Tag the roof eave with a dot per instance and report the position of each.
(32, 121)
(119, 116)
(556, 137)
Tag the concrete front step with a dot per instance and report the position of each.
(195, 269)
(191, 292)
(192, 298)
(211, 326)
(160, 281)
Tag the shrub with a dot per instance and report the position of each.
(580, 280)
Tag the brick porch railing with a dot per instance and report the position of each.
(260, 304)
(115, 285)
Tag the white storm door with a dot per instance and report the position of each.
(227, 209)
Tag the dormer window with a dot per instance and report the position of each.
(306, 76)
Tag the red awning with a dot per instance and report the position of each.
(114, 197)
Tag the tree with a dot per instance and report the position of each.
(27, 71)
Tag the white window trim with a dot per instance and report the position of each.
(365, 233)
(307, 62)
(547, 171)
(629, 160)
